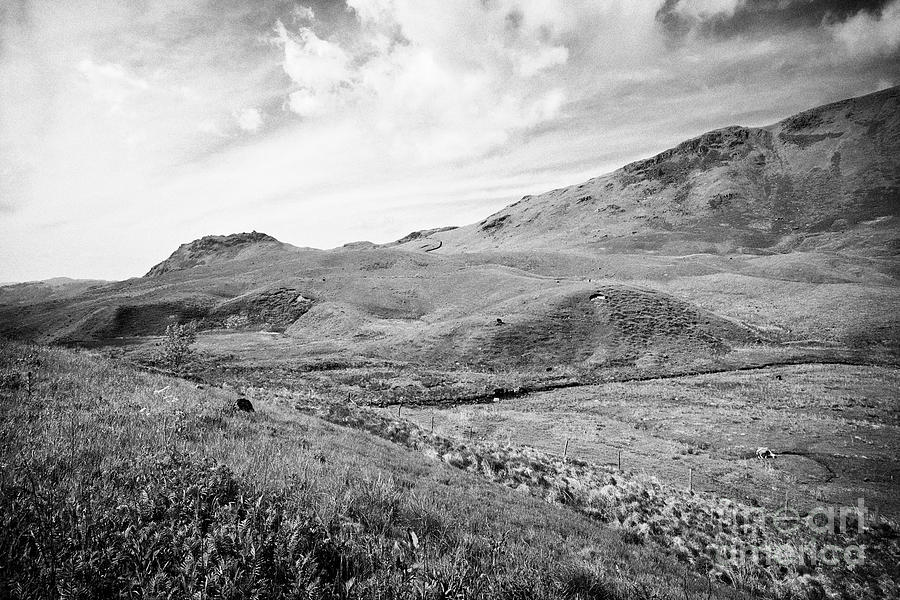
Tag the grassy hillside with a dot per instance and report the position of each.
(117, 483)
(825, 179)
(437, 316)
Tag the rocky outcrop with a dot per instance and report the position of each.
(212, 249)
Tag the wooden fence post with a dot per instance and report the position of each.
(690, 479)
(620, 459)
(566, 450)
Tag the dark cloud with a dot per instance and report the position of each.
(673, 22)
(760, 18)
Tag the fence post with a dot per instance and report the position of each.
(620, 459)
(432, 421)
(398, 410)
(690, 479)
(566, 450)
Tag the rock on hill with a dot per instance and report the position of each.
(825, 179)
(212, 249)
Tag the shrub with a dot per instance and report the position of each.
(176, 347)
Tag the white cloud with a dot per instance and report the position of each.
(371, 11)
(111, 83)
(249, 119)
(304, 13)
(317, 67)
(312, 62)
(705, 8)
(869, 34)
(543, 58)
(430, 81)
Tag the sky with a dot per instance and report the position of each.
(128, 128)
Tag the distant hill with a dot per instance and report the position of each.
(54, 288)
(825, 179)
(214, 249)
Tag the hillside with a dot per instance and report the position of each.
(117, 481)
(827, 179)
(122, 480)
(49, 289)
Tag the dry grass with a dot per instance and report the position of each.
(743, 545)
(833, 427)
(118, 483)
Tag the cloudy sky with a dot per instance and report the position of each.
(127, 128)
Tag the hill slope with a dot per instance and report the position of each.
(825, 179)
(143, 484)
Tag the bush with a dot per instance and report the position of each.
(176, 347)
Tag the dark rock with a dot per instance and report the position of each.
(244, 405)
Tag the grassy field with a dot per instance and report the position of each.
(835, 430)
(743, 543)
(118, 483)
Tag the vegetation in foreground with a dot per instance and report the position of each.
(837, 553)
(116, 483)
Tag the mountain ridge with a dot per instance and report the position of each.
(734, 189)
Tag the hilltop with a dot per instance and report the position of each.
(213, 249)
